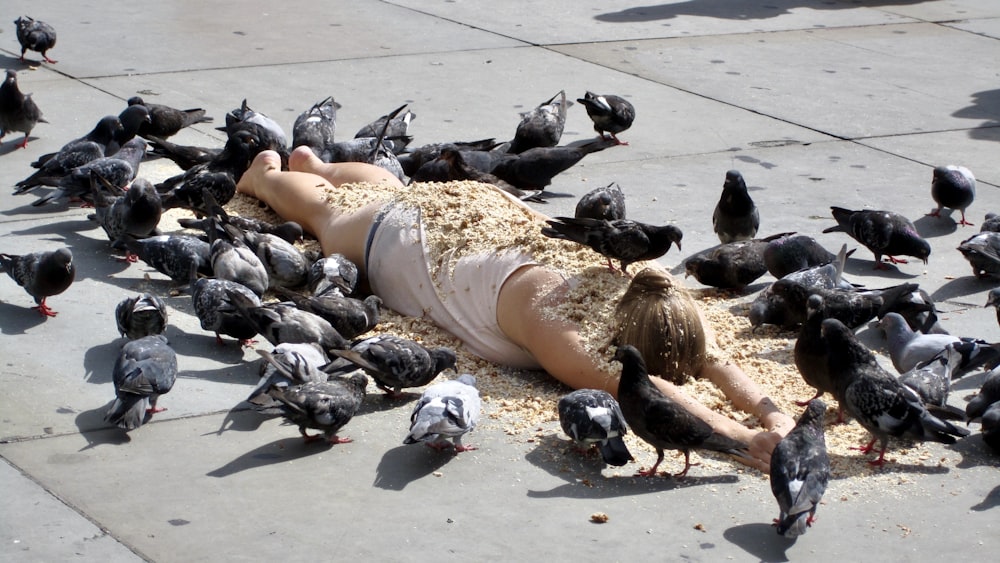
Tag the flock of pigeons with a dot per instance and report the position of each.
(318, 370)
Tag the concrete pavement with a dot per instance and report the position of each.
(817, 103)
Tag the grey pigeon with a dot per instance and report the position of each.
(736, 217)
(788, 254)
(879, 402)
(42, 274)
(333, 272)
(132, 119)
(607, 203)
(146, 368)
(102, 134)
(991, 427)
(18, 112)
(217, 177)
(396, 363)
(141, 316)
(315, 127)
(982, 250)
(179, 257)
(991, 222)
(35, 35)
(117, 170)
(659, 420)
(885, 233)
(287, 366)
(396, 126)
(853, 307)
(932, 382)
(535, 168)
(233, 260)
(953, 187)
(989, 394)
(810, 352)
(800, 470)
(283, 322)
(286, 265)
(289, 231)
(592, 417)
(771, 308)
(136, 213)
(166, 121)
(542, 126)
(907, 348)
(611, 114)
(730, 265)
(60, 164)
(323, 405)
(624, 240)
(993, 300)
(446, 410)
(351, 317)
(216, 312)
(267, 130)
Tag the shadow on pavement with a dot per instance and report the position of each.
(726, 9)
(403, 465)
(759, 540)
(992, 500)
(279, 451)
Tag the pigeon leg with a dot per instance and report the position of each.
(307, 437)
(962, 222)
(867, 448)
(248, 343)
(687, 465)
(218, 339)
(934, 213)
(47, 59)
(130, 257)
(895, 260)
(24, 144)
(439, 446)
(807, 401)
(153, 409)
(338, 440)
(619, 141)
(459, 447)
(652, 470)
(44, 309)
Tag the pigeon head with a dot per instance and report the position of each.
(444, 358)
(814, 413)
(630, 359)
(814, 304)
(468, 379)
(993, 299)
(734, 180)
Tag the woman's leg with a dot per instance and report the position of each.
(304, 160)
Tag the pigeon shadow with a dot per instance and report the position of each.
(759, 540)
(992, 500)
(17, 319)
(975, 452)
(379, 401)
(99, 361)
(283, 450)
(726, 9)
(405, 464)
(563, 459)
(96, 431)
(14, 144)
(866, 267)
(961, 287)
(857, 465)
(242, 418)
(985, 106)
(930, 227)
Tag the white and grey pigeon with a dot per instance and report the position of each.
(607, 203)
(736, 217)
(542, 126)
(800, 471)
(907, 348)
(333, 273)
(446, 411)
(141, 316)
(982, 250)
(396, 363)
(42, 274)
(315, 128)
(146, 368)
(18, 112)
(323, 405)
(611, 114)
(877, 400)
(592, 417)
(932, 381)
(953, 187)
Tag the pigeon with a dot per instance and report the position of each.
(316, 126)
(880, 403)
(42, 274)
(184, 156)
(606, 203)
(396, 363)
(146, 368)
(800, 471)
(397, 128)
(736, 216)
(451, 166)
(323, 405)
(286, 265)
(283, 322)
(918, 309)
(414, 159)
(542, 126)
(166, 121)
(233, 260)
(118, 170)
(35, 35)
(214, 225)
(991, 427)
(993, 300)
(351, 317)
(852, 307)
(288, 365)
(989, 394)
(907, 348)
(990, 223)
(953, 187)
(267, 130)
(810, 352)
(333, 273)
(218, 177)
(446, 410)
(179, 257)
(610, 114)
(624, 240)
(982, 250)
(60, 165)
(792, 253)
(141, 316)
(132, 119)
(659, 420)
(216, 312)
(883, 232)
(18, 112)
(534, 168)
(593, 417)
(931, 380)
(102, 134)
(731, 265)
(136, 213)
